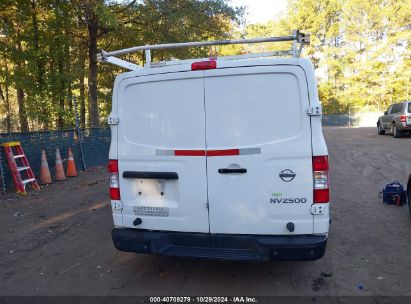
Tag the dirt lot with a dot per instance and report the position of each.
(57, 241)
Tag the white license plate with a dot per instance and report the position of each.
(151, 211)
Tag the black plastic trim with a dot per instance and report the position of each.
(221, 246)
(150, 175)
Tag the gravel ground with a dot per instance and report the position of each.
(57, 241)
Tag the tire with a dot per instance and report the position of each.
(380, 131)
(394, 131)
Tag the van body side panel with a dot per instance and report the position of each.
(117, 213)
(319, 147)
(260, 110)
(159, 114)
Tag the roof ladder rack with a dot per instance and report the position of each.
(299, 40)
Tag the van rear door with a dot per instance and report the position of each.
(161, 126)
(259, 160)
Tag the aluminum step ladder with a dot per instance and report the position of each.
(19, 166)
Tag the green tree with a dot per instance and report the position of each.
(361, 50)
(48, 51)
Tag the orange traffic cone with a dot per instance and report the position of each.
(71, 165)
(45, 177)
(59, 167)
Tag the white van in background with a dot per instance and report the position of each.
(220, 159)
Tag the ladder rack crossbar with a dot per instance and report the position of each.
(299, 39)
(222, 58)
(197, 44)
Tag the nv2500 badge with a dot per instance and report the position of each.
(278, 199)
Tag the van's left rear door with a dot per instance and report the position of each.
(161, 126)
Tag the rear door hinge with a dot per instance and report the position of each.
(317, 209)
(117, 205)
(113, 120)
(314, 111)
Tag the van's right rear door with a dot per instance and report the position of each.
(259, 163)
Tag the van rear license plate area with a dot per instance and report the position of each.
(151, 211)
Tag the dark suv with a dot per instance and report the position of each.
(397, 119)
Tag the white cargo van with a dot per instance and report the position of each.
(221, 158)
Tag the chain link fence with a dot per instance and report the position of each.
(91, 146)
(351, 119)
(90, 149)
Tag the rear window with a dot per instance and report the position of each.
(409, 107)
(168, 114)
(397, 108)
(254, 109)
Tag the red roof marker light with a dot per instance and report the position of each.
(204, 65)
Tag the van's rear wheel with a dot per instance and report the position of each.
(380, 130)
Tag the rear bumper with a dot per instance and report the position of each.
(402, 126)
(221, 246)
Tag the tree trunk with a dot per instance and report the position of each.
(61, 94)
(92, 26)
(60, 118)
(82, 57)
(6, 108)
(82, 91)
(5, 98)
(36, 43)
(24, 125)
(68, 66)
(70, 96)
(40, 67)
(2, 95)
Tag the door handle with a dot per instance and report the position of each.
(228, 171)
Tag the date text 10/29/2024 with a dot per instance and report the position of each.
(207, 299)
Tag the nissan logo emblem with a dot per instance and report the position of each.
(287, 175)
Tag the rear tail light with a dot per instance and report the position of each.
(320, 173)
(204, 65)
(114, 180)
(403, 118)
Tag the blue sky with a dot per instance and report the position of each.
(260, 11)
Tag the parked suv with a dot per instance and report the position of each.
(397, 119)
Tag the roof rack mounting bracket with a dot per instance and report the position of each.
(117, 61)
